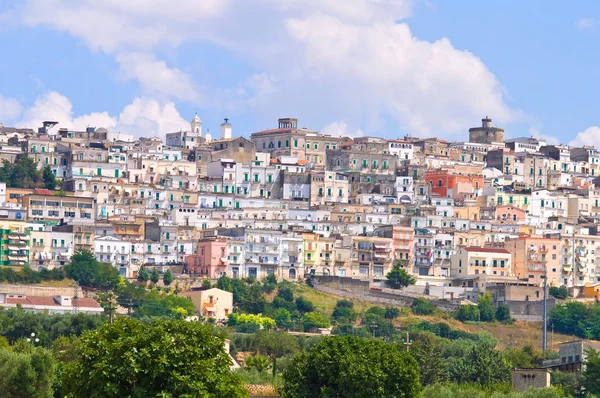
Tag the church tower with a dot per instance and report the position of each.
(196, 124)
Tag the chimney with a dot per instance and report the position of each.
(226, 130)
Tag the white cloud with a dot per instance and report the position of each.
(10, 108)
(143, 117)
(590, 136)
(587, 24)
(536, 133)
(322, 59)
(156, 77)
(427, 87)
(341, 129)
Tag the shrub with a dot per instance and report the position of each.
(422, 306)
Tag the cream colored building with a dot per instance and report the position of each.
(212, 302)
(481, 260)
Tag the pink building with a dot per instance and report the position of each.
(210, 258)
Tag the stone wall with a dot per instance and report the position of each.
(361, 290)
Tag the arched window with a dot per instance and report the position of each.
(292, 273)
(271, 145)
(559, 226)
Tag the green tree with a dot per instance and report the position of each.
(482, 364)
(314, 320)
(154, 275)
(26, 374)
(304, 305)
(253, 301)
(558, 292)
(422, 306)
(257, 362)
(283, 317)
(427, 350)
(168, 277)
(285, 293)
(224, 283)
(344, 312)
(503, 313)
(590, 378)
(206, 283)
(398, 277)
(275, 345)
(87, 271)
(351, 367)
(391, 312)
(160, 358)
(468, 312)
(23, 174)
(487, 311)
(49, 178)
(143, 275)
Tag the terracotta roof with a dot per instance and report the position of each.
(486, 250)
(49, 301)
(41, 191)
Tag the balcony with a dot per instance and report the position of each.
(535, 268)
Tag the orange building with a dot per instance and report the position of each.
(510, 213)
(532, 256)
(443, 181)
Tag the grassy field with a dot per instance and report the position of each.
(514, 335)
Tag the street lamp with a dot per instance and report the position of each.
(33, 339)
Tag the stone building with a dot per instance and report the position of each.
(289, 140)
(486, 134)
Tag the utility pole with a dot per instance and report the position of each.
(545, 333)
(76, 299)
(408, 342)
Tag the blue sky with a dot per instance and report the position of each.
(357, 67)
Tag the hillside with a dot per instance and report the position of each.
(514, 335)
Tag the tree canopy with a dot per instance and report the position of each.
(159, 358)
(398, 277)
(26, 374)
(87, 271)
(352, 367)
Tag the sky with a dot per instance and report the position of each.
(388, 68)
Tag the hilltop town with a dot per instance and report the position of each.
(291, 202)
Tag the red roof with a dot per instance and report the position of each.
(42, 191)
(486, 250)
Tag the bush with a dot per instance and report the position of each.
(376, 310)
(286, 293)
(503, 313)
(467, 312)
(559, 292)
(422, 306)
(314, 320)
(304, 305)
(344, 312)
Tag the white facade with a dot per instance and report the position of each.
(108, 249)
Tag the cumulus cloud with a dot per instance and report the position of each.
(590, 136)
(536, 133)
(143, 117)
(156, 77)
(10, 108)
(341, 129)
(329, 60)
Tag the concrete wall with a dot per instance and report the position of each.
(523, 379)
(29, 290)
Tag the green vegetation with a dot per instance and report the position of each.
(27, 371)
(422, 306)
(560, 293)
(152, 303)
(25, 174)
(27, 275)
(168, 277)
(87, 271)
(467, 312)
(352, 367)
(590, 380)
(148, 359)
(398, 277)
(582, 320)
(474, 391)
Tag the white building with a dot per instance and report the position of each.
(109, 249)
